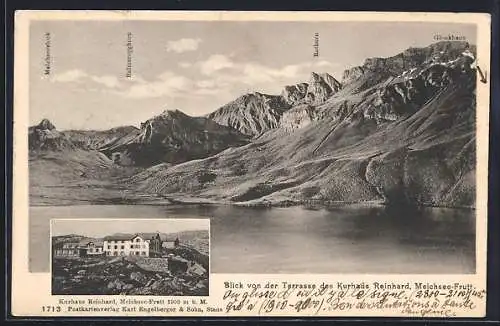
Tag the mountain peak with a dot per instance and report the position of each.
(253, 95)
(414, 57)
(252, 113)
(171, 111)
(320, 75)
(321, 87)
(172, 114)
(44, 136)
(172, 137)
(315, 75)
(45, 124)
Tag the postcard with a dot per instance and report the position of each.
(215, 163)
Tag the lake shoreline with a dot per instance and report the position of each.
(194, 201)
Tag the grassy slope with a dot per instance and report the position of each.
(74, 177)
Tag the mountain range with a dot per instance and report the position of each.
(397, 130)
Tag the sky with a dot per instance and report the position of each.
(101, 228)
(194, 66)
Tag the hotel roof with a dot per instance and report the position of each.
(96, 242)
(130, 236)
(120, 236)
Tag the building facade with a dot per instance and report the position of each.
(67, 249)
(78, 249)
(92, 249)
(126, 245)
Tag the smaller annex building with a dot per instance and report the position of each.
(83, 248)
(91, 248)
(66, 249)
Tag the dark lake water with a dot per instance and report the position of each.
(302, 240)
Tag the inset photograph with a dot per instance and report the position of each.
(163, 257)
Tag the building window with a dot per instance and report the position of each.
(115, 253)
(144, 253)
(123, 247)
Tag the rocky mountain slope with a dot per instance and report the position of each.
(172, 137)
(45, 137)
(398, 130)
(251, 114)
(78, 166)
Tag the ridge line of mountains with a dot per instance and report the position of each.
(397, 130)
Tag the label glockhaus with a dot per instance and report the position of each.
(449, 37)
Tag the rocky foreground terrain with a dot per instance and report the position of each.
(107, 276)
(397, 130)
